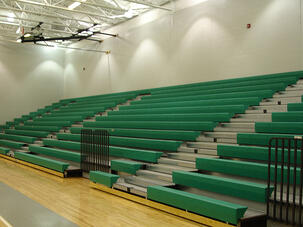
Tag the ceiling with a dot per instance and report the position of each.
(63, 18)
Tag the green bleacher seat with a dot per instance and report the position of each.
(49, 123)
(42, 161)
(57, 153)
(295, 106)
(76, 146)
(71, 114)
(39, 128)
(163, 125)
(39, 134)
(152, 134)
(123, 152)
(236, 85)
(184, 110)
(294, 116)
(96, 106)
(167, 145)
(244, 169)
(243, 81)
(11, 144)
(250, 101)
(254, 153)
(213, 208)
(25, 139)
(130, 167)
(94, 109)
(60, 119)
(198, 91)
(262, 139)
(149, 99)
(222, 185)
(106, 179)
(279, 127)
(135, 154)
(216, 117)
(4, 150)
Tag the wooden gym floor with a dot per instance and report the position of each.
(73, 199)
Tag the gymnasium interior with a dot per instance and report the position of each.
(151, 113)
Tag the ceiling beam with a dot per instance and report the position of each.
(100, 5)
(149, 4)
(26, 26)
(47, 15)
(62, 8)
(37, 21)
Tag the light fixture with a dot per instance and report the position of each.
(75, 5)
(10, 17)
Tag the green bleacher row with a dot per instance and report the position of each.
(297, 75)
(213, 208)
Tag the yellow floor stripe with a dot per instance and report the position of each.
(4, 223)
(162, 207)
(50, 171)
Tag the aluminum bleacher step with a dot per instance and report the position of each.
(189, 156)
(155, 175)
(164, 168)
(177, 162)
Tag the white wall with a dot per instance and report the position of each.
(30, 78)
(201, 41)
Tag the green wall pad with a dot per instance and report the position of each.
(244, 169)
(125, 166)
(41, 161)
(184, 110)
(24, 139)
(221, 185)
(213, 208)
(215, 117)
(279, 127)
(106, 179)
(164, 125)
(4, 150)
(294, 116)
(11, 144)
(61, 154)
(262, 139)
(27, 133)
(152, 134)
(251, 101)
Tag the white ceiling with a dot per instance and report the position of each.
(65, 17)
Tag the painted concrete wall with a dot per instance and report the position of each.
(201, 41)
(30, 78)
